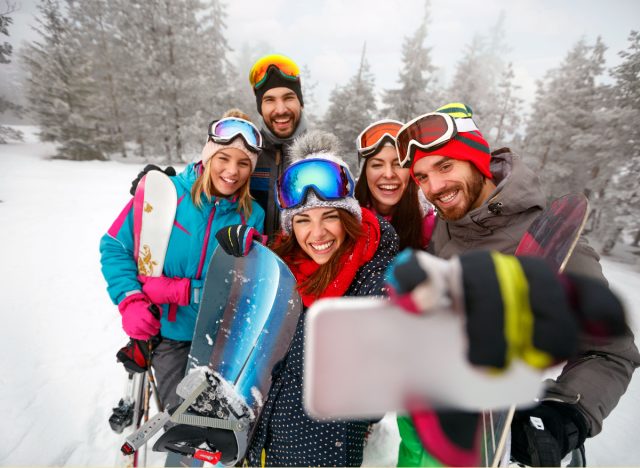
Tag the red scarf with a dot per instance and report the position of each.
(363, 251)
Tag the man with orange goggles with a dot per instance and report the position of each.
(486, 201)
(275, 80)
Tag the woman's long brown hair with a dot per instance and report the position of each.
(406, 217)
(287, 247)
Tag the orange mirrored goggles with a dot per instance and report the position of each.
(284, 65)
(376, 135)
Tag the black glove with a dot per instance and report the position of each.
(170, 171)
(236, 239)
(542, 436)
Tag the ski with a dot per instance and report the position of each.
(154, 208)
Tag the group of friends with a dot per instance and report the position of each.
(431, 185)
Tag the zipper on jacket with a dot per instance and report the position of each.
(205, 242)
(568, 400)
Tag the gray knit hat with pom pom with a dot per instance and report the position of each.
(318, 145)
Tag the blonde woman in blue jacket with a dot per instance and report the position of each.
(212, 193)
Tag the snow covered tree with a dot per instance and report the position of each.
(418, 91)
(5, 21)
(153, 72)
(470, 83)
(219, 69)
(485, 81)
(506, 112)
(352, 107)
(7, 133)
(59, 86)
(563, 134)
(186, 71)
(618, 198)
(308, 92)
(170, 72)
(96, 28)
(243, 96)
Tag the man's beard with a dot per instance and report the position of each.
(470, 190)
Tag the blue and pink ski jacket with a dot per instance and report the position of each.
(191, 246)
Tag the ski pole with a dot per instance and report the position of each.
(155, 310)
(152, 381)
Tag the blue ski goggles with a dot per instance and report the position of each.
(329, 181)
(224, 130)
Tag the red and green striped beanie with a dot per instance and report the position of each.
(467, 146)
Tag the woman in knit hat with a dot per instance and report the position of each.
(334, 248)
(212, 193)
(387, 189)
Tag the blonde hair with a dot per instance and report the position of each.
(237, 113)
(204, 186)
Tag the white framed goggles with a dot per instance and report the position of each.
(428, 132)
(224, 130)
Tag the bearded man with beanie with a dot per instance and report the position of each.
(485, 201)
(275, 80)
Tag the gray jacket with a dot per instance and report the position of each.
(596, 378)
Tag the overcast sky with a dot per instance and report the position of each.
(328, 35)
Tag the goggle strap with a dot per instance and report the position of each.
(224, 141)
(369, 150)
(238, 132)
(270, 70)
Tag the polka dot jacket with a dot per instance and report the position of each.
(287, 435)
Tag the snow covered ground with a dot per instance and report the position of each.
(59, 331)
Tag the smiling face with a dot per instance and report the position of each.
(455, 187)
(386, 180)
(281, 111)
(230, 170)
(319, 233)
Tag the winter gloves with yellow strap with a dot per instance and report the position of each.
(515, 307)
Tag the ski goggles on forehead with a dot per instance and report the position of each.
(328, 180)
(224, 130)
(428, 132)
(372, 138)
(277, 63)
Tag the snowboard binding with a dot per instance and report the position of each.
(192, 431)
(122, 416)
(215, 402)
(202, 443)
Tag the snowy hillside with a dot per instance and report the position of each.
(60, 332)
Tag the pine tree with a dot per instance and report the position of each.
(97, 31)
(484, 81)
(619, 198)
(7, 133)
(562, 136)
(5, 21)
(175, 80)
(59, 86)
(470, 84)
(308, 92)
(352, 107)
(219, 68)
(418, 91)
(506, 116)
